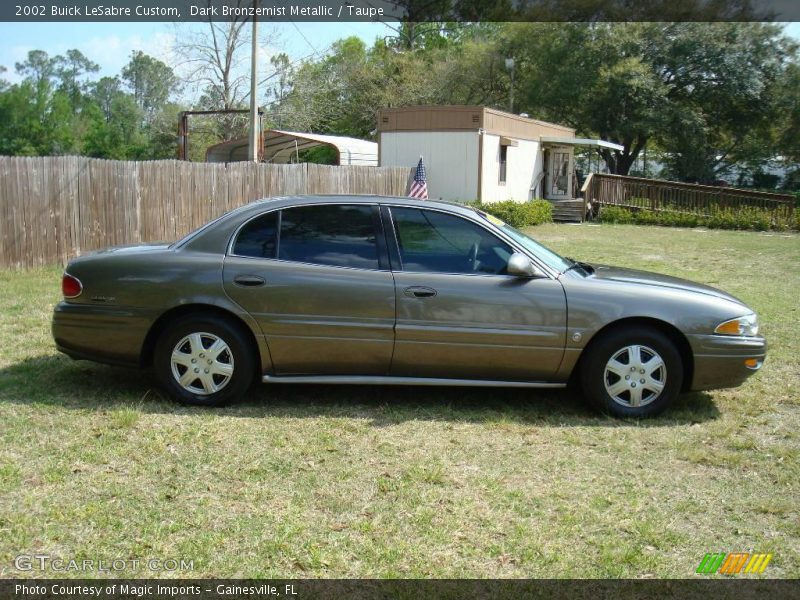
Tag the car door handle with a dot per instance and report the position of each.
(419, 291)
(248, 281)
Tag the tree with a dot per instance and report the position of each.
(789, 100)
(723, 90)
(58, 109)
(103, 92)
(69, 70)
(700, 89)
(279, 86)
(471, 70)
(119, 137)
(41, 117)
(38, 69)
(216, 64)
(341, 92)
(324, 92)
(151, 81)
(20, 127)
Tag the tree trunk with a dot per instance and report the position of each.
(620, 163)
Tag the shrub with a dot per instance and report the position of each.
(720, 218)
(615, 214)
(518, 214)
(741, 218)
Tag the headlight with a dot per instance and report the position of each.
(746, 326)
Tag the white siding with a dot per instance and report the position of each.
(523, 166)
(451, 159)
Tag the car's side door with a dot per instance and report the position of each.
(459, 314)
(317, 280)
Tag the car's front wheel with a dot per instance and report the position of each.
(204, 360)
(632, 372)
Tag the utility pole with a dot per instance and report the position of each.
(255, 137)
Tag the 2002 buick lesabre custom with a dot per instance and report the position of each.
(377, 290)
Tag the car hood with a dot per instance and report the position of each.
(633, 276)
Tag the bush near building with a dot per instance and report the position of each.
(741, 218)
(518, 214)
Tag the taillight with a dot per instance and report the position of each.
(70, 286)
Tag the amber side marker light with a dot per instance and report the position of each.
(753, 363)
(71, 286)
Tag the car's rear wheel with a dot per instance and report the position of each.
(632, 372)
(204, 360)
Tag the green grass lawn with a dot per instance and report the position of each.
(423, 482)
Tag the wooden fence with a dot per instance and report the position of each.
(659, 195)
(54, 208)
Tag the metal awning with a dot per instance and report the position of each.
(564, 141)
(279, 146)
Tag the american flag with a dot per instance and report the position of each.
(419, 187)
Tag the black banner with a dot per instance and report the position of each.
(399, 10)
(411, 589)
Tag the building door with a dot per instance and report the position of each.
(558, 169)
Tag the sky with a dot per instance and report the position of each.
(110, 44)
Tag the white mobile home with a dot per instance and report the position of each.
(474, 152)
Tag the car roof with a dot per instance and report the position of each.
(213, 233)
(258, 205)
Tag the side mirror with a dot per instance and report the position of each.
(521, 266)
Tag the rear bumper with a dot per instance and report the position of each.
(107, 334)
(719, 361)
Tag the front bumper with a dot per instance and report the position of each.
(719, 361)
(107, 334)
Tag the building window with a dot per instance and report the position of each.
(503, 163)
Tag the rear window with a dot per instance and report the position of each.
(259, 238)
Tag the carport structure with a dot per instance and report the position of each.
(281, 147)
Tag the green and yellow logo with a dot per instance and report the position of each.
(734, 563)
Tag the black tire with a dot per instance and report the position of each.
(192, 335)
(599, 376)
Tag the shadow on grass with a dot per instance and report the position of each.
(59, 381)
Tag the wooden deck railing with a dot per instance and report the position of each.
(673, 196)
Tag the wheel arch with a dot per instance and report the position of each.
(162, 322)
(668, 329)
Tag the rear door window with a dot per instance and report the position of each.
(259, 237)
(339, 235)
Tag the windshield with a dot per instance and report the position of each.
(550, 258)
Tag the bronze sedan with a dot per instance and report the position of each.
(377, 290)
